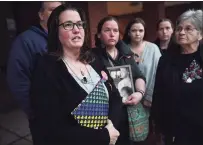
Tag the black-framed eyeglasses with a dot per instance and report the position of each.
(68, 25)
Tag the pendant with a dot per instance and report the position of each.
(84, 80)
(82, 73)
(189, 80)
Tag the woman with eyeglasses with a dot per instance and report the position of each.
(177, 107)
(73, 97)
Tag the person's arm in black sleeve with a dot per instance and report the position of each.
(138, 77)
(115, 102)
(129, 60)
(157, 97)
(136, 72)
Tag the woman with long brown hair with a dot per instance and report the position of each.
(73, 97)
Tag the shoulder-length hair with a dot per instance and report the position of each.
(54, 45)
(157, 41)
(126, 37)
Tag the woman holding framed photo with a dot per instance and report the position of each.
(114, 52)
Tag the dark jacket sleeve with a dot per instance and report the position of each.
(52, 120)
(115, 100)
(157, 96)
(128, 59)
(115, 104)
(19, 72)
(136, 72)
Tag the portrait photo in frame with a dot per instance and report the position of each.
(123, 80)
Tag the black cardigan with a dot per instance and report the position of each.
(171, 46)
(125, 57)
(55, 93)
(166, 96)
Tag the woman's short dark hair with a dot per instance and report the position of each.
(126, 37)
(163, 20)
(54, 44)
(157, 41)
(99, 28)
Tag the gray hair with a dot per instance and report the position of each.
(195, 16)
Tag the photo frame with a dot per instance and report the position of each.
(123, 80)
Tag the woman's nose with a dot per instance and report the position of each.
(112, 33)
(75, 28)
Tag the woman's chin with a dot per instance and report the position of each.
(78, 46)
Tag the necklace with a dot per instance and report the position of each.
(84, 79)
(114, 54)
(138, 53)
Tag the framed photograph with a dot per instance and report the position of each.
(123, 80)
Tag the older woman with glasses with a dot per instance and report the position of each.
(73, 97)
(177, 107)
